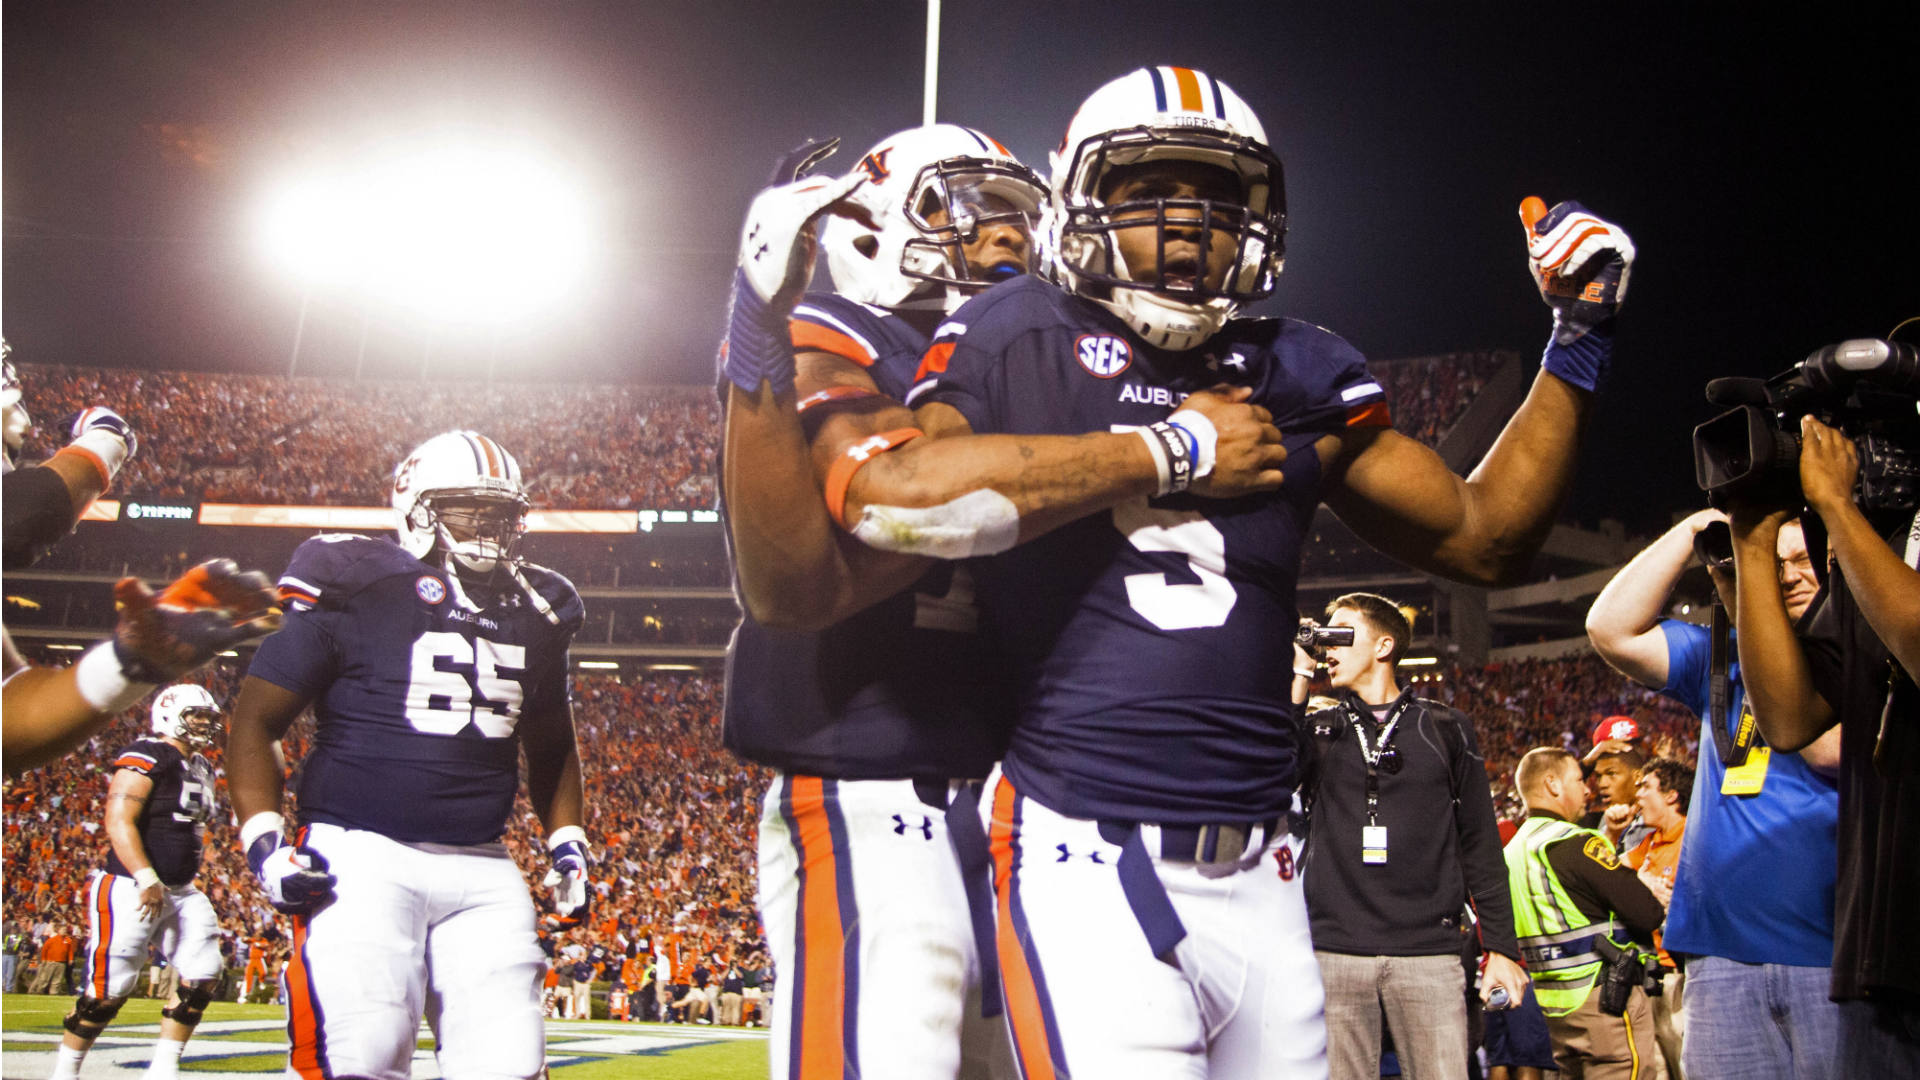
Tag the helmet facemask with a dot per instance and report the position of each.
(477, 528)
(1174, 305)
(952, 202)
(199, 728)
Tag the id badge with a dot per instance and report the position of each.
(1749, 778)
(1373, 844)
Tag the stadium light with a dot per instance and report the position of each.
(452, 228)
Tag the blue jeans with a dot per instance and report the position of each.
(1748, 1021)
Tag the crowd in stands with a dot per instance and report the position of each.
(674, 816)
(308, 441)
(1428, 393)
(281, 440)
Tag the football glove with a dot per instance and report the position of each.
(105, 436)
(568, 878)
(776, 264)
(1579, 262)
(210, 608)
(293, 876)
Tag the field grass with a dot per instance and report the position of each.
(247, 1041)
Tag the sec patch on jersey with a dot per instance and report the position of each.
(1103, 355)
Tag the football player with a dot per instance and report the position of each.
(159, 800)
(432, 665)
(1149, 920)
(875, 721)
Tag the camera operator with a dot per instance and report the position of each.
(1862, 643)
(1401, 832)
(1752, 904)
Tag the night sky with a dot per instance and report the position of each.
(1764, 169)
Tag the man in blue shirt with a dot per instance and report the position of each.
(1752, 904)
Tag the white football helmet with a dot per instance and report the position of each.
(13, 414)
(188, 713)
(1166, 114)
(465, 478)
(930, 189)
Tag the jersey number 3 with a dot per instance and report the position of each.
(441, 701)
(1188, 532)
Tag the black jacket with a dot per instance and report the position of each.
(1443, 845)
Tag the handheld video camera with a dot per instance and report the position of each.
(1866, 388)
(1314, 637)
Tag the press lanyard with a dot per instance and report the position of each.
(1372, 755)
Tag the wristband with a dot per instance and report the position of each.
(832, 394)
(566, 834)
(259, 825)
(1305, 674)
(840, 476)
(759, 345)
(102, 680)
(145, 878)
(1201, 438)
(1173, 455)
(1582, 362)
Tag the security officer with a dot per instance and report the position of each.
(1570, 891)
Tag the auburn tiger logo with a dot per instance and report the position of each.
(875, 165)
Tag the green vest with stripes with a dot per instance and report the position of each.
(1556, 937)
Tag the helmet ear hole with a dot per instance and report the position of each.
(868, 246)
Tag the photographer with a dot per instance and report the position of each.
(1861, 644)
(1756, 931)
(1401, 832)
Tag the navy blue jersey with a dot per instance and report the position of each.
(902, 689)
(174, 821)
(421, 684)
(1151, 646)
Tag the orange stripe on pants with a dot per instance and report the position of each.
(103, 909)
(824, 992)
(1022, 992)
(303, 1021)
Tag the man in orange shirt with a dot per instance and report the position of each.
(55, 955)
(1664, 787)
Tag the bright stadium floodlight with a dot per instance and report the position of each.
(451, 229)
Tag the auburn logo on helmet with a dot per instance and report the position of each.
(403, 476)
(875, 165)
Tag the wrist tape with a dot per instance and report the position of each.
(103, 681)
(1582, 362)
(759, 346)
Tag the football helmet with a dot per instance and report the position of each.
(13, 414)
(460, 492)
(188, 713)
(1166, 114)
(929, 191)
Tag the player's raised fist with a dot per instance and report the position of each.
(104, 436)
(1245, 455)
(212, 607)
(1580, 263)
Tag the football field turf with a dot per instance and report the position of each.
(248, 1042)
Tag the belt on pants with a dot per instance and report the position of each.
(1213, 845)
